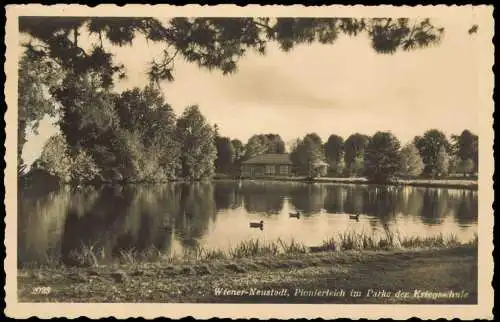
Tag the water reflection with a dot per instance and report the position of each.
(227, 195)
(467, 211)
(119, 219)
(196, 208)
(179, 216)
(309, 198)
(264, 198)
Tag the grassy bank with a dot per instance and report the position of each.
(349, 262)
(281, 279)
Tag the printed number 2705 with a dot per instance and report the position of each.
(41, 290)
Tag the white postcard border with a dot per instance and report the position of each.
(47, 310)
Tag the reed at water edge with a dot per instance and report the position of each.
(90, 255)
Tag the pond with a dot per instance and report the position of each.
(176, 217)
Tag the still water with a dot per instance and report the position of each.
(179, 216)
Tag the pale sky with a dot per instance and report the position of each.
(328, 89)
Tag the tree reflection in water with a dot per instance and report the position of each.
(196, 208)
(126, 218)
(264, 197)
(434, 205)
(40, 221)
(466, 207)
(334, 199)
(227, 195)
(121, 219)
(309, 198)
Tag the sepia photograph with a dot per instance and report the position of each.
(250, 157)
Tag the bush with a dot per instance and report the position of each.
(55, 158)
(83, 168)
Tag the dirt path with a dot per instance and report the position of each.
(351, 277)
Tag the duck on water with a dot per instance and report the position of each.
(355, 217)
(259, 224)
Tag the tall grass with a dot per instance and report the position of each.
(292, 247)
(256, 247)
(87, 255)
(437, 241)
(90, 255)
(329, 244)
(253, 248)
(199, 253)
(393, 240)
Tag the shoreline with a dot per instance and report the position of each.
(468, 184)
(431, 183)
(324, 277)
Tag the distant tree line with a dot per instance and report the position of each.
(135, 136)
(381, 156)
(142, 140)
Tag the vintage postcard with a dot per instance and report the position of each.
(249, 162)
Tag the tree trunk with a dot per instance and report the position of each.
(75, 33)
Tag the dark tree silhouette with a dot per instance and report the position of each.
(382, 158)
(225, 155)
(239, 149)
(308, 156)
(213, 43)
(354, 148)
(334, 154)
(429, 146)
(466, 147)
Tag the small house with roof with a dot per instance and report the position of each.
(267, 165)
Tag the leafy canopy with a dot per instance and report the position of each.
(411, 161)
(308, 156)
(382, 159)
(429, 146)
(212, 43)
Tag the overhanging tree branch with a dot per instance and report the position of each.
(212, 43)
